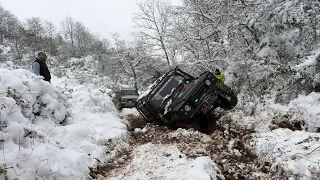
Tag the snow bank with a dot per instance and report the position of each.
(47, 134)
(304, 108)
(298, 152)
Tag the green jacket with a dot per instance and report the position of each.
(221, 77)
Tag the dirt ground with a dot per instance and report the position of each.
(229, 147)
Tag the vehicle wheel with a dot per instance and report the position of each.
(171, 118)
(226, 96)
(207, 124)
(119, 107)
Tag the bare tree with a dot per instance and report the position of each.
(83, 38)
(153, 19)
(2, 16)
(12, 30)
(35, 33)
(129, 63)
(50, 34)
(8, 24)
(19, 41)
(68, 28)
(17, 37)
(101, 51)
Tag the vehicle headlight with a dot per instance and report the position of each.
(187, 108)
(208, 82)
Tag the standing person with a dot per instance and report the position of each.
(220, 75)
(40, 67)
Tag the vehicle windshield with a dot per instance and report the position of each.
(129, 92)
(167, 89)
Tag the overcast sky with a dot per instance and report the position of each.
(100, 16)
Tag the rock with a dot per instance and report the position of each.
(205, 139)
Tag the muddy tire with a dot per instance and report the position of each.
(119, 107)
(227, 98)
(207, 123)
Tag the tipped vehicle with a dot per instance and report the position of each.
(178, 97)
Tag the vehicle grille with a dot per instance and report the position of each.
(202, 90)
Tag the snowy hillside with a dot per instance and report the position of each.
(70, 129)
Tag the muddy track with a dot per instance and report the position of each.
(228, 147)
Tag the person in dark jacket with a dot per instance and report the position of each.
(40, 67)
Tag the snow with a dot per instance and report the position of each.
(126, 111)
(267, 52)
(297, 151)
(153, 161)
(310, 61)
(305, 108)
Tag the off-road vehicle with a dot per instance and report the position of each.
(180, 97)
(127, 98)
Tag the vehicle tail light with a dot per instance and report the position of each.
(204, 110)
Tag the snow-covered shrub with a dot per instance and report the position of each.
(7, 65)
(28, 107)
(33, 96)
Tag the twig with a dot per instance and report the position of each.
(304, 156)
(313, 150)
(4, 158)
(51, 175)
(45, 160)
(15, 170)
(45, 138)
(19, 139)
